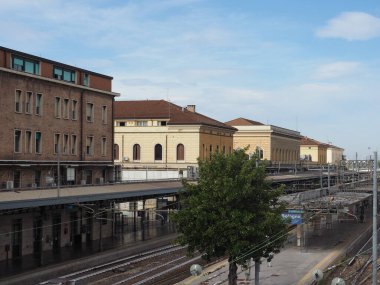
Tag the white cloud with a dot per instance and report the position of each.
(336, 70)
(351, 26)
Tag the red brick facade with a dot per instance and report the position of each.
(43, 114)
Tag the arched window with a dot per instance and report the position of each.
(116, 152)
(180, 152)
(158, 152)
(259, 152)
(136, 152)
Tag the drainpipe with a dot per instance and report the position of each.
(166, 151)
(81, 133)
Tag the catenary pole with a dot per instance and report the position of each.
(374, 220)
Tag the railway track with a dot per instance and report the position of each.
(152, 267)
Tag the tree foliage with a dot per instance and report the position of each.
(232, 210)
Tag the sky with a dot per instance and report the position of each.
(306, 65)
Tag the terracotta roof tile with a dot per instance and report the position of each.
(243, 122)
(309, 141)
(161, 109)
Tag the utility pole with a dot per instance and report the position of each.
(374, 221)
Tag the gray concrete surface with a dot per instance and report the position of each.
(295, 265)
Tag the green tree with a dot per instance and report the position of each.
(232, 211)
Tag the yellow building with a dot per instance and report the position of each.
(155, 139)
(313, 150)
(334, 154)
(276, 144)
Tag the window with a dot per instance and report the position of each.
(142, 123)
(64, 74)
(18, 101)
(224, 149)
(28, 142)
(38, 104)
(57, 139)
(38, 142)
(17, 145)
(121, 124)
(103, 149)
(104, 114)
(66, 108)
(158, 152)
(85, 79)
(57, 107)
(180, 152)
(90, 112)
(210, 151)
(162, 123)
(65, 144)
(89, 145)
(74, 110)
(136, 152)
(26, 65)
(28, 102)
(73, 144)
(116, 151)
(259, 152)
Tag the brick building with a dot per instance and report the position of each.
(158, 139)
(52, 113)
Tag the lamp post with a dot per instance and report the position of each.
(374, 221)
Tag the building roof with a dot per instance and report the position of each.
(309, 141)
(243, 122)
(161, 109)
(38, 58)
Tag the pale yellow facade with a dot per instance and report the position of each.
(334, 155)
(318, 153)
(197, 141)
(277, 144)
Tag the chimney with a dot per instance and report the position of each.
(191, 108)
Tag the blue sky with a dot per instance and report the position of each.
(306, 65)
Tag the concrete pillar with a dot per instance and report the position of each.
(299, 235)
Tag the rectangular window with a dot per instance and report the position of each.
(104, 114)
(74, 110)
(73, 144)
(57, 107)
(28, 102)
(89, 145)
(28, 142)
(121, 124)
(18, 101)
(66, 108)
(57, 138)
(38, 104)
(86, 79)
(90, 112)
(142, 123)
(104, 146)
(26, 65)
(17, 145)
(65, 144)
(38, 142)
(64, 74)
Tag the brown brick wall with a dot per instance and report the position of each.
(47, 123)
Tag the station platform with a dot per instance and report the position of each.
(295, 265)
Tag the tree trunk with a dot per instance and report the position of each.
(232, 276)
